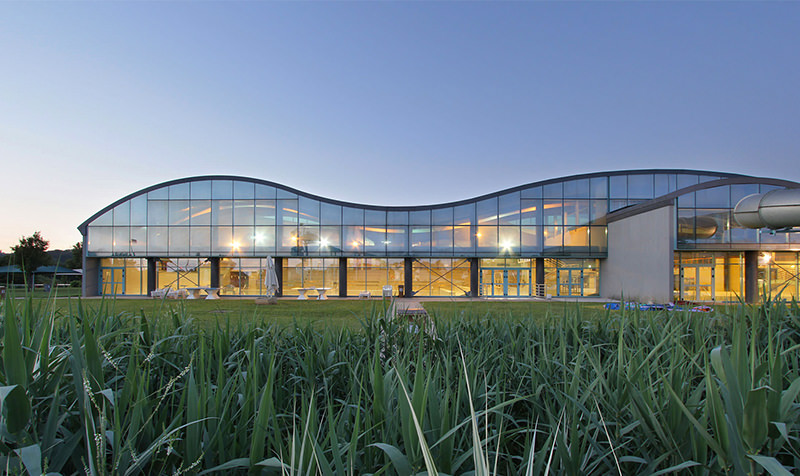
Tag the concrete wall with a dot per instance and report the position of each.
(91, 267)
(640, 257)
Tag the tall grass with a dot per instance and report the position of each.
(97, 392)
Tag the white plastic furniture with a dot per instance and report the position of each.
(194, 293)
(323, 293)
(302, 293)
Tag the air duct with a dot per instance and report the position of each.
(775, 210)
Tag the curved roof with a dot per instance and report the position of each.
(728, 178)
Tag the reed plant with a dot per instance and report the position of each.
(89, 390)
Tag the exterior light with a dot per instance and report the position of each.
(478, 235)
(355, 244)
(235, 245)
(323, 243)
(506, 245)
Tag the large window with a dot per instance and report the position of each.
(441, 277)
(372, 274)
(310, 273)
(181, 273)
(243, 219)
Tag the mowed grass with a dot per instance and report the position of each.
(235, 312)
(332, 313)
(511, 309)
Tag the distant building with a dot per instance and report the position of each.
(651, 235)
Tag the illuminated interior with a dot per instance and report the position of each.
(544, 238)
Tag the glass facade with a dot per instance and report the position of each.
(778, 275)
(705, 220)
(708, 276)
(309, 272)
(127, 276)
(237, 222)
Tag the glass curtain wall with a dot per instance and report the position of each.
(242, 276)
(237, 218)
(705, 217)
(181, 273)
(120, 276)
(572, 277)
(372, 274)
(310, 273)
(778, 275)
(507, 277)
(447, 277)
(702, 276)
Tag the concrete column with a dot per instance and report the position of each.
(474, 274)
(214, 272)
(408, 276)
(91, 275)
(540, 274)
(342, 277)
(152, 274)
(279, 272)
(751, 276)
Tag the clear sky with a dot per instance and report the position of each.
(387, 103)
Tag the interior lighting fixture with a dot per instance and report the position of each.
(355, 244)
(323, 243)
(235, 246)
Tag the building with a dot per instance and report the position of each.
(651, 235)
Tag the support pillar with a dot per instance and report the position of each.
(342, 277)
(91, 277)
(408, 277)
(474, 273)
(751, 276)
(214, 272)
(539, 276)
(152, 274)
(279, 272)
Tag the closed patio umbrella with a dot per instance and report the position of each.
(271, 285)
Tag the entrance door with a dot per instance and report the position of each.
(505, 282)
(569, 281)
(112, 281)
(697, 282)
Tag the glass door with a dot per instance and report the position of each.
(112, 281)
(505, 282)
(569, 282)
(697, 282)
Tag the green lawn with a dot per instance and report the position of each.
(41, 293)
(510, 309)
(330, 313)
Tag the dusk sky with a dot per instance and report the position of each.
(388, 103)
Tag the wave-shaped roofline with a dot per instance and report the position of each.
(722, 175)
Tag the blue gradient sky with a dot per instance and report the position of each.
(388, 103)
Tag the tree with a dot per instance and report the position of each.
(76, 260)
(30, 253)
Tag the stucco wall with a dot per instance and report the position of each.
(640, 257)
